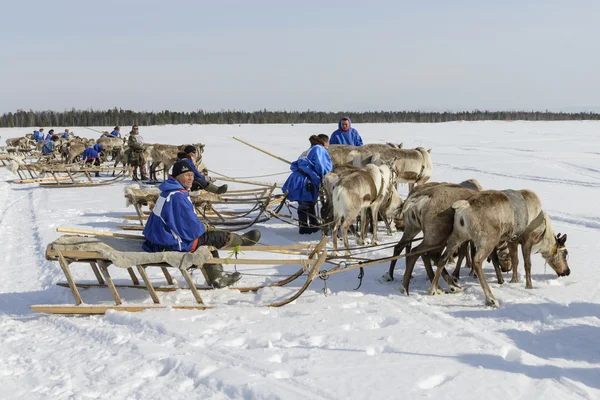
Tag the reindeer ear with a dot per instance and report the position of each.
(429, 151)
(561, 239)
(400, 145)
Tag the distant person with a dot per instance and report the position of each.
(38, 135)
(116, 133)
(304, 182)
(346, 134)
(65, 134)
(50, 134)
(91, 156)
(48, 147)
(135, 155)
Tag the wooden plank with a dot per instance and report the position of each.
(111, 286)
(134, 278)
(130, 227)
(97, 273)
(65, 267)
(148, 283)
(167, 275)
(101, 309)
(192, 285)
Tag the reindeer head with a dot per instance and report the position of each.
(558, 256)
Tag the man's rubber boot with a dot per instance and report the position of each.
(218, 278)
(247, 239)
(212, 188)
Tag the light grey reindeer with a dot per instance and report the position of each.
(516, 217)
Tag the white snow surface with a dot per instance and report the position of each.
(372, 343)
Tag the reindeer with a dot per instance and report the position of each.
(412, 166)
(428, 208)
(516, 217)
(166, 155)
(112, 145)
(356, 193)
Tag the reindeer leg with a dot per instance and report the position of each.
(481, 255)
(496, 264)
(361, 238)
(453, 243)
(513, 248)
(526, 251)
(397, 250)
(345, 226)
(462, 253)
(410, 266)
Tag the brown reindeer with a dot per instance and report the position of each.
(491, 217)
(166, 155)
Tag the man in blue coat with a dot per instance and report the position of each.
(65, 134)
(38, 135)
(174, 226)
(189, 154)
(49, 135)
(304, 183)
(48, 147)
(91, 156)
(346, 134)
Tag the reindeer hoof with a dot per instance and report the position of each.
(455, 279)
(490, 301)
(456, 289)
(528, 286)
(376, 243)
(386, 277)
(513, 280)
(435, 291)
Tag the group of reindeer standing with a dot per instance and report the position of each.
(457, 220)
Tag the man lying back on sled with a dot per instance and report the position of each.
(174, 226)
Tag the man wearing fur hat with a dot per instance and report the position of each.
(174, 226)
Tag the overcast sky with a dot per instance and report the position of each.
(299, 55)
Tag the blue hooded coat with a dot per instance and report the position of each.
(350, 136)
(48, 147)
(37, 136)
(173, 224)
(115, 133)
(89, 154)
(98, 147)
(309, 168)
(197, 174)
(65, 135)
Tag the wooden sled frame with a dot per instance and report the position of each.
(260, 200)
(86, 172)
(99, 264)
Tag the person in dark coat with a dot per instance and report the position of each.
(305, 180)
(135, 155)
(174, 226)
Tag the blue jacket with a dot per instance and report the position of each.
(98, 147)
(48, 136)
(37, 136)
(197, 174)
(65, 135)
(115, 134)
(89, 154)
(48, 148)
(310, 168)
(173, 224)
(350, 137)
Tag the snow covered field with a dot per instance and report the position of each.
(372, 343)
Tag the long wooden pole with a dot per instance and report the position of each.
(264, 151)
(92, 129)
(98, 233)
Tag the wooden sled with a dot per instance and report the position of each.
(207, 206)
(82, 176)
(67, 250)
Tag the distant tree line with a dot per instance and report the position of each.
(117, 116)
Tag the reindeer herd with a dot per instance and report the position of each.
(460, 221)
(69, 151)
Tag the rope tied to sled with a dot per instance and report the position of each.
(233, 253)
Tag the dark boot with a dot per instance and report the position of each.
(218, 278)
(134, 174)
(97, 174)
(143, 172)
(306, 218)
(212, 188)
(247, 239)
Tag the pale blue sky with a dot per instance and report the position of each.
(298, 55)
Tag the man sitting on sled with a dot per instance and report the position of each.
(174, 226)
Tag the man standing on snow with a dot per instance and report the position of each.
(346, 134)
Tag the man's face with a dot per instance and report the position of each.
(345, 124)
(186, 179)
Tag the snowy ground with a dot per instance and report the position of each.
(371, 343)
